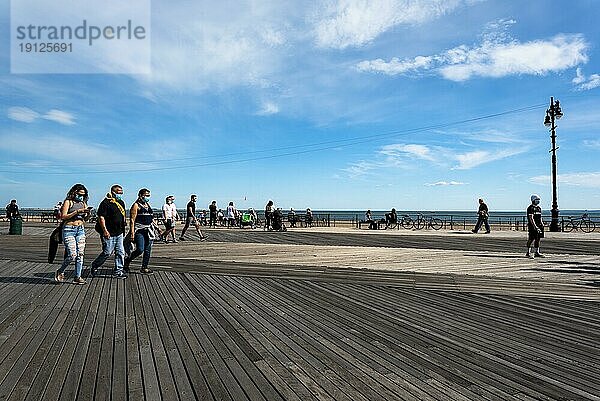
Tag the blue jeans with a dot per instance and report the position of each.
(143, 244)
(74, 240)
(108, 246)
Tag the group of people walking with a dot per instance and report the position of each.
(111, 225)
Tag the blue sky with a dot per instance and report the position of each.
(337, 104)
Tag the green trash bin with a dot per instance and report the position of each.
(16, 226)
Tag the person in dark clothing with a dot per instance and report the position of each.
(269, 210)
(482, 218)
(111, 227)
(212, 214)
(12, 210)
(191, 219)
(142, 230)
(535, 227)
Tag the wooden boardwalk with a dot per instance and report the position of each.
(202, 329)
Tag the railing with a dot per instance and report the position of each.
(505, 223)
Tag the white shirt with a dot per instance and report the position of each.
(169, 211)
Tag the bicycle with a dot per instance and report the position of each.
(407, 222)
(583, 223)
(423, 222)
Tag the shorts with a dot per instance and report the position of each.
(169, 224)
(535, 235)
(190, 221)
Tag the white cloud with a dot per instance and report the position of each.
(59, 116)
(357, 22)
(592, 143)
(205, 45)
(395, 66)
(27, 115)
(411, 150)
(586, 83)
(268, 108)
(444, 183)
(584, 179)
(22, 114)
(361, 168)
(497, 56)
(469, 160)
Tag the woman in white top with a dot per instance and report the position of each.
(231, 215)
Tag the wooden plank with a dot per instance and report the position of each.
(309, 343)
(212, 355)
(151, 386)
(105, 345)
(166, 381)
(119, 360)
(76, 317)
(37, 337)
(176, 362)
(182, 333)
(80, 379)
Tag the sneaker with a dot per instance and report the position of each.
(145, 270)
(528, 255)
(487, 232)
(181, 239)
(474, 232)
(93, 271)
(59, 277)
(539, 255)
(203, 238)
(79, 281)
(120, 275)
(174, 241)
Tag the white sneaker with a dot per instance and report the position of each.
(529, 255)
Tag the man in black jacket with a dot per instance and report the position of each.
(111, 227)
(482, 217)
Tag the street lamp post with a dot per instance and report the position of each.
(553, 113)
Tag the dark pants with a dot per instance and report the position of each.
(268, 219)
(212, 220)
(143, 244)
(482, 220)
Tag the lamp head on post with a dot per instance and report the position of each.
(547, 120)
(557, 110)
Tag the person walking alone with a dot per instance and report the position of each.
(141, 230)
(111, 227)
(535, 227)
(73, 213)
(482, 218)
(190, 218)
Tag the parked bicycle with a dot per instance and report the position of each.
(583, 223)
(423, 222)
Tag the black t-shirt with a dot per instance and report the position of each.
(536, 211)
(212, 209)
(113, 218)
(191, 206)
(12, 210)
